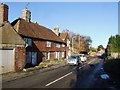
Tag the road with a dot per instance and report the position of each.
(64, 77)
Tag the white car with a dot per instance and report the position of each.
(83, 57)
(73, 60)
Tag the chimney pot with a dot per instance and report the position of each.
(26, 14)
(56, 30)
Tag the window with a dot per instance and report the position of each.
(48, 44)
(57, 45)
(63, 54)
(47, 55)
(28, 57)
(28, 41)
(63, 45)
(31, 57)
(34, 58)
(56, 55)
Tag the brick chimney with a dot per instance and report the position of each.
(26, 14)
(56, 30)
(3, 13)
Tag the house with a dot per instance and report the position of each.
(42, 44)
(12, 46)
(65, 37)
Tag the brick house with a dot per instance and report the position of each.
(42, 44)
(65, 37)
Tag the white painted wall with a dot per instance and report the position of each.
(7, 60)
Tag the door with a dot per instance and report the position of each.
(28, 57)
(7, 60)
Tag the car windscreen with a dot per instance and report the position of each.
(72, 57)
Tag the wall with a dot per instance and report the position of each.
(19, 58)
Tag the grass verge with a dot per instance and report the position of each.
(51, 63)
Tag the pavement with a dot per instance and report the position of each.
(27, 72)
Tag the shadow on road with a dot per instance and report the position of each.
(89, 77)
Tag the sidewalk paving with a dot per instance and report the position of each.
(27, 72)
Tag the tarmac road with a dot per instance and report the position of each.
(86, 76)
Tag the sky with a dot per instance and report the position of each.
(99, 20)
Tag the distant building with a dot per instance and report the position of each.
(66, 39)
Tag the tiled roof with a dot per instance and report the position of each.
(63, 35)
(9, 37)
(34, 30)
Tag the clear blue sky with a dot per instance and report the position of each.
(99, 20)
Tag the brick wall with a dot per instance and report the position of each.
(19, 58)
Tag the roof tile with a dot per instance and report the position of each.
(34, 30)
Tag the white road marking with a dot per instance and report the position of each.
(90, 62)
(58, 79)
(85, 64)
(65, 75)
(82, 66)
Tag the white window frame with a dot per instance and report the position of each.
(63, 54)
(56, 55)
(48, 44)
(57, 45)
(47, 55)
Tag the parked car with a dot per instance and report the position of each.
(74, 60)
(83, 57)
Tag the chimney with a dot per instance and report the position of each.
(56, 30)
(26, 14)
(3, 13)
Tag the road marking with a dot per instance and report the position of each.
(82, 66)
(58, 79)
(85, 64)
(90, 62)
